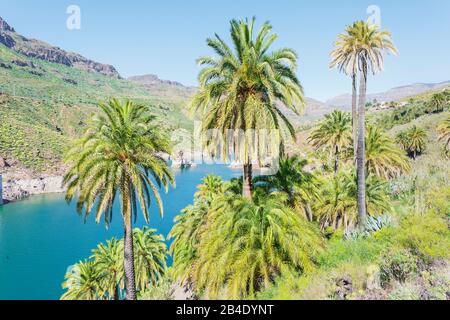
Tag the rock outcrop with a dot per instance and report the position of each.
(43, 51)
(14, 190)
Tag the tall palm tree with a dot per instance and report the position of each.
(371, 43)
(83, 282)
(345, 57)
(291, 180)
(413, 141)
(333, 134)
(150, 257)
(108, 260)
(119, 158)
(240, 89)
(383, 157)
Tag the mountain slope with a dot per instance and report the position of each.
(41, 50)
(164, 88)
(393, 94)
(43, 105)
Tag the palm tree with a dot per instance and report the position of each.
(292, 180)
(444, 132)
(119, 158)
(150, 257)
(83, 282)
(108, 260)
(438, 102)
(334, 134)
(383, 157)
(335, 208)
(240, 89)
(371, 43)
(339, 207)
(188, 226)
(249, 243)
(413, 141)
(345, 57)
(211, 186)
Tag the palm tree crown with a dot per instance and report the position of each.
(383, 157)
(370, 43)
(413, 141)
(240, 89)
(294, 182)
(334, 134)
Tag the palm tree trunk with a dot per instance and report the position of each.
(130, 282)
(354, 116)
(361, 150)
(247, 182)
(336, 161)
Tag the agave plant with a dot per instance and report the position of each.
(373, 224)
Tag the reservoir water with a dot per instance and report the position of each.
(42, 236)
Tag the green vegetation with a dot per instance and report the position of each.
(383, 157)
(444, 134)
(239, 90)
(102, 276)
(50, 100)
(116, 157)
(233, 247)
(413, 108)
(413, 141)
(377, 229)
(333, 134)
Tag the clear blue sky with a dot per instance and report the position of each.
(165, 37)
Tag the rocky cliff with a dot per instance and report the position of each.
(14, 190)
(44, 51)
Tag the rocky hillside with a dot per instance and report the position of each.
(394, 94)
(41, 50)
(164, 88)
(43, 105)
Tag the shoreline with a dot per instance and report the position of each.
(20, 189)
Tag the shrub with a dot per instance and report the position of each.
(397, 264)
(161, 291)
(405, 292)
(425, 235)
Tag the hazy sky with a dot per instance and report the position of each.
(165, 37)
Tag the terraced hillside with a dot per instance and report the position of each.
(43, 105)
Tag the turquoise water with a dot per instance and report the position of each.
(42, 236)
